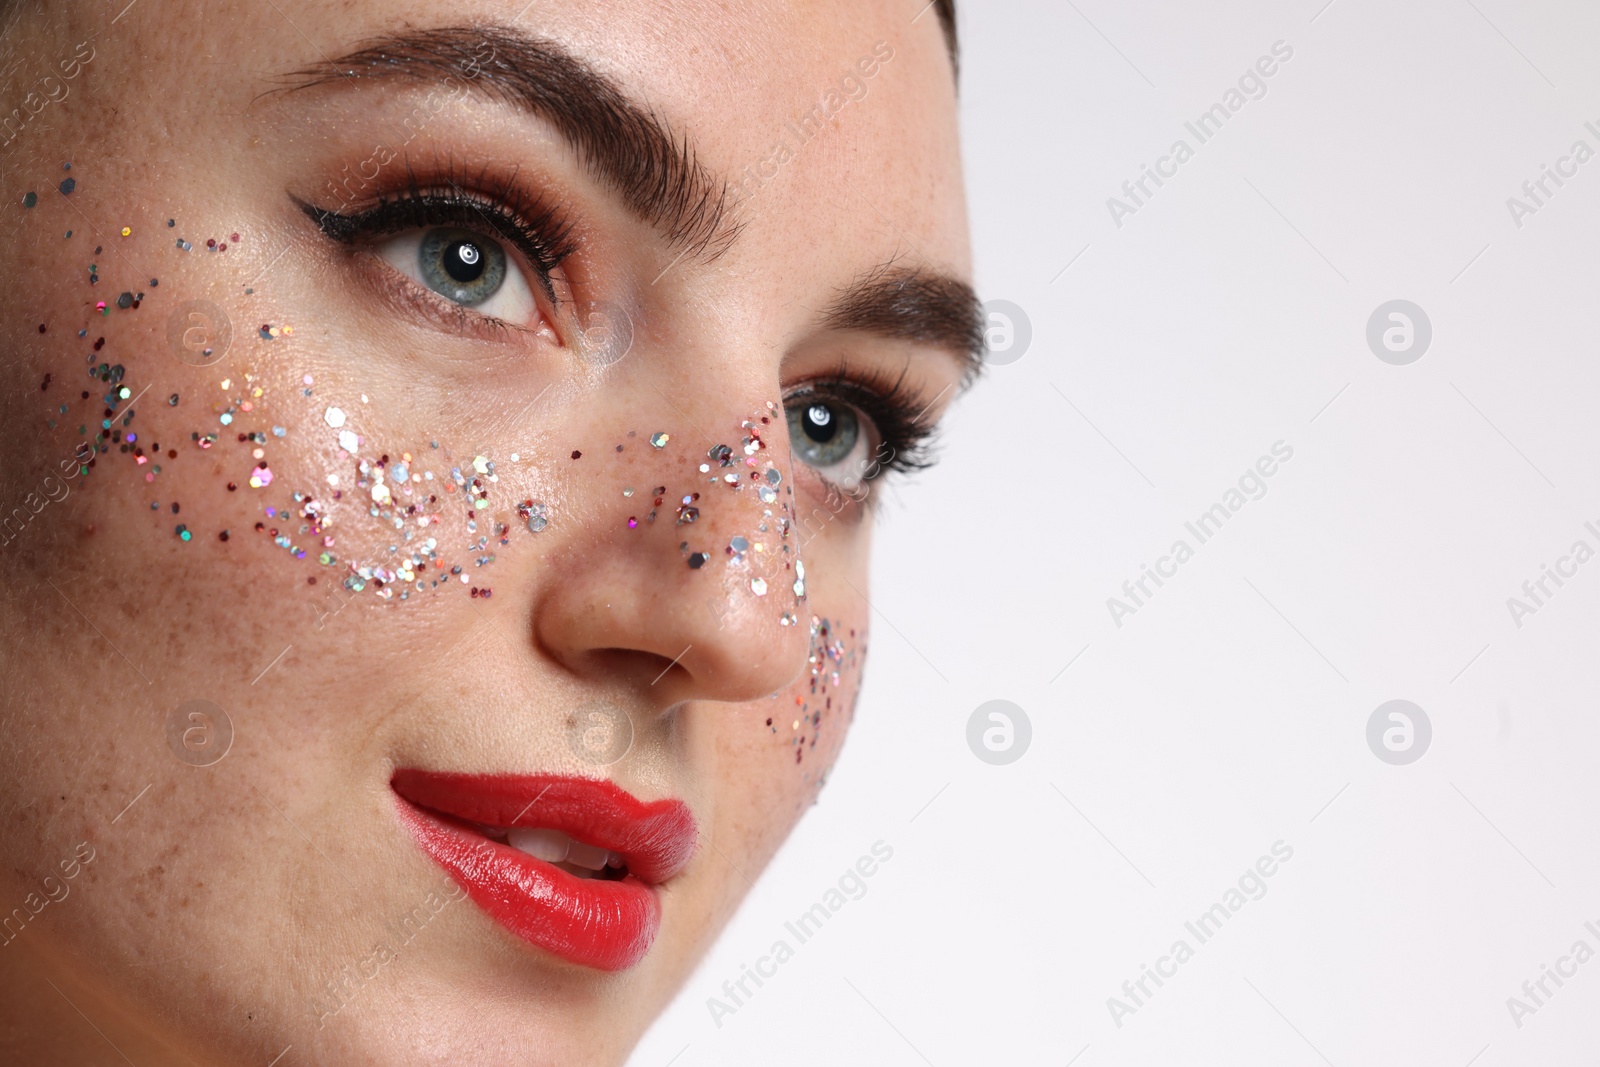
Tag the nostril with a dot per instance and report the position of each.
(637, 666)
(676, 660)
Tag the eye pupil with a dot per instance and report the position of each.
(819, 424)
(463, 261)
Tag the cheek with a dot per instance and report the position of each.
(294, 474)
(804, 727)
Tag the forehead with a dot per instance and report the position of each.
(833, 121)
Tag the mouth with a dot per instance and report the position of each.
(570, 865)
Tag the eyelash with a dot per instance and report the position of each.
(540, 231)
(531, 224)
(894, 412)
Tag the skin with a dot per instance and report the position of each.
(217, 905)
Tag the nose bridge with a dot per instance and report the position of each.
(697, 560)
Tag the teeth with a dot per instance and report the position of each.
(553, 846)
(548, 845)
(587, 856)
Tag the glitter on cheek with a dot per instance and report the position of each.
(823, 700)
(535, 514)
(401, 500)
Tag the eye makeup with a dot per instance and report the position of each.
(901, 437)
(530, 222)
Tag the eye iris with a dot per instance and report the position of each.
(822, 434)
(461, 265)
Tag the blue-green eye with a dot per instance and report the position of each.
(827, 435)
(464, 267)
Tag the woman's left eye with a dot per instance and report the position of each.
(465, 268)
(827, 435)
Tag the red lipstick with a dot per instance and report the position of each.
(606, 921)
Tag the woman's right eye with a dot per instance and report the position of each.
(465, 268)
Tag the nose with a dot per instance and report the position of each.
(679, 573)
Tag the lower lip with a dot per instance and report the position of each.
(607, 925)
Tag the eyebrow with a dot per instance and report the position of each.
(655, 172)
(912, 304)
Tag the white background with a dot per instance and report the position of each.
(1230, 712)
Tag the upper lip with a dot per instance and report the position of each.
(655, 838)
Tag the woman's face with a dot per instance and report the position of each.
(430, 452)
